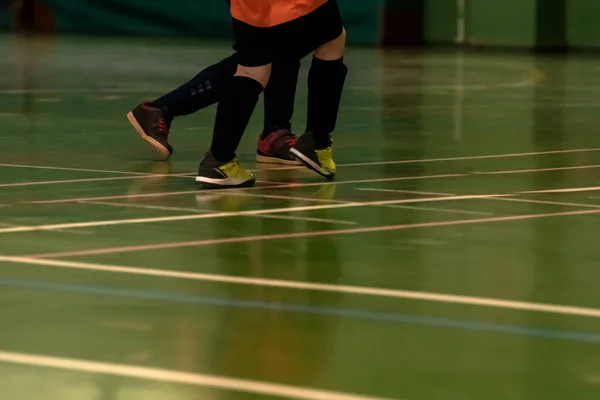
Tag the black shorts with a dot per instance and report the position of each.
(295, 39)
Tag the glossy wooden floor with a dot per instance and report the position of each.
(455, 256)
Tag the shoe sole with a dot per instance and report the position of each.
(209, 183)
(310, 164)
(161, 152)
(275, 160)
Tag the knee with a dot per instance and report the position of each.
(260, 74)
(333, 50)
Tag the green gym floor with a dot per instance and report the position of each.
(455, 256)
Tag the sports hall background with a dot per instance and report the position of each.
(522, 24)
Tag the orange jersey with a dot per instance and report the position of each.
(268, 13)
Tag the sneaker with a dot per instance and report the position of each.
(214, 174)
(151, 124)
(275, 148)
(319, 160)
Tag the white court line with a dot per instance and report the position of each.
(177, 377)
(353, 231)
(232, 214)
(484, 157)
(75, 169)
(320, 287)
(146, 206)
(566, 190)
(110, 178)
(442, 210)
(308, 199)
(403, 191)
(208, 212)
(495, 198)
(555, 203)
(277, 186)
(283, 185)
(72, 232)
(523, 171)
(426, 160)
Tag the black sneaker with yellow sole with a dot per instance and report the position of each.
(318, 159)
(214, 174)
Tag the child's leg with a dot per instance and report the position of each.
(220, 167)
(204, 90)
(152, 120)
(326, 81)
(277, 139)
(236, 108)
(280, 95)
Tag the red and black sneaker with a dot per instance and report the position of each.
(275, 148)
(153, 126)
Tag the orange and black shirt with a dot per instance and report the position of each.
(268, 13)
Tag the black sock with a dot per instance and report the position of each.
(233, 114)
(325, 86)
(280, 95)
(203, 90)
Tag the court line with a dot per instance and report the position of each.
(512, 199)
(209, 212)
(320, 287)
(146, 206)
(426, 160)
(296, 235)
(282, 185)
(555, 203)
(63, 181)
(483, 157)
(75, 169)
(523, 171)
(442, 210)
(308, 199)
(178, 377)
(565, 190)
(295, 198)
(73, 232)
(393, 317)
(231, 214)
(266, 187)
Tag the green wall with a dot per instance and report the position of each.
(501, 22)
(516, 23)
(440, 21)
(185, 18)
(506, 23)
(583, 23)
(487, 22)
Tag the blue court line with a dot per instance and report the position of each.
(326, 311)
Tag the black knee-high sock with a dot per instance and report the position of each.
(203, 90)
(325, 86)
(233, 114)
(280, 95)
